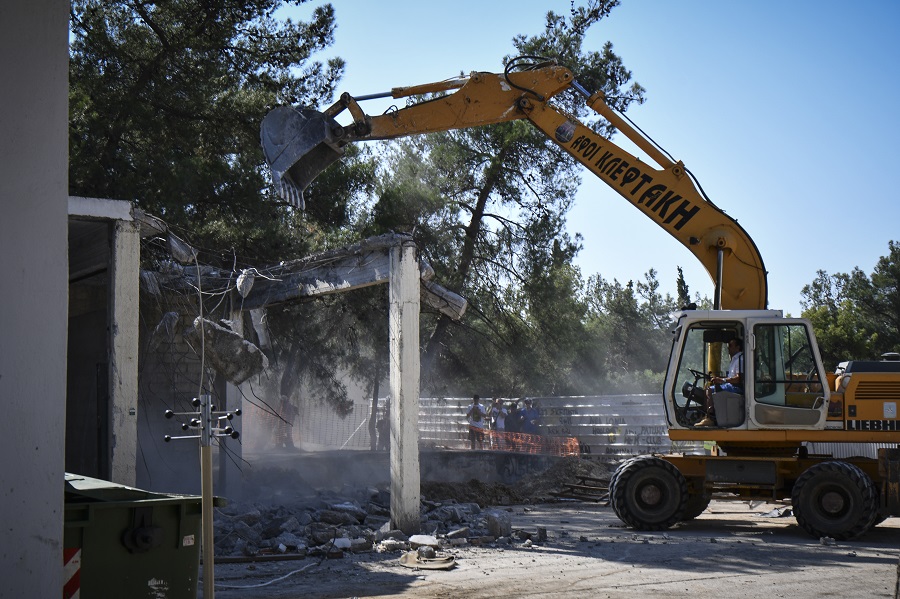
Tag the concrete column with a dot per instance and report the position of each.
(34, 288)
(403, 328)
(123, 342)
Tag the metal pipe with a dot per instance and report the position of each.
(597, 103)
(581, 89)
(720, 267)
(373, 96)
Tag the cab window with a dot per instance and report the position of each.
(784, 370)
(704, 351)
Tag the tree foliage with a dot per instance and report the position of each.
(488, 207)
(166, 99)
(630, 327)
(856, 316)
(165, 104)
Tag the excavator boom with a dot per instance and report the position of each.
(300, 143)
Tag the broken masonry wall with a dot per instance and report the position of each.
(169, 378)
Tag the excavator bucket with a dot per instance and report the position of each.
(298, 143)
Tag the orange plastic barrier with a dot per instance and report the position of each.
(527, 443)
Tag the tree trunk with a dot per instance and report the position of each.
(290, 377)
(466, 257)
(373, 419)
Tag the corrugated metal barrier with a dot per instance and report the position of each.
(612, 425)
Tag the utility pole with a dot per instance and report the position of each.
(209, 424)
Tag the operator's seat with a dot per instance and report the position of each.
(731, 409)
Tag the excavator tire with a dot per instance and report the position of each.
(648, 493)
(612, 484)
(695, 505)
(835, 499)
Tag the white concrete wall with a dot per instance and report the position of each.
(34, 288)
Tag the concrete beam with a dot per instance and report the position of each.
(100, 209)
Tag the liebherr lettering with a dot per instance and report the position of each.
(658, 199)
(872, 425)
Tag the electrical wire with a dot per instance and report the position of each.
(516, 63)
(263, 584)
(280, 578)
(202, 327)
(648, 138)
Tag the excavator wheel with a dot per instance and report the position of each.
(648, 493)
(612, 484)
(695, 505)
(835, 499)
(879, 518)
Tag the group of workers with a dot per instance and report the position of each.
(499, 421)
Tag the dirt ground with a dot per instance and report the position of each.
(731, 550)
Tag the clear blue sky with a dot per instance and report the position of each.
(786, 111)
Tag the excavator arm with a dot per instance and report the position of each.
(301, 143)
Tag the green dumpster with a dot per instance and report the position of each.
(125, 542)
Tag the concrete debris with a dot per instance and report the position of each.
(781, 512)
(245, 281)
(394, 535)
(348, 508)
(164, 331)
(228, 353)
(284, 510)
(148, 283)
(180, 250)
(459, 533)
(316, 526)
(498, 522)
(417, 541)
(338, 518)
(342, 543)
(391, 546)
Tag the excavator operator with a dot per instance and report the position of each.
(732, 382)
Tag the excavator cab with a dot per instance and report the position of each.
(704, 356)
(781, 371)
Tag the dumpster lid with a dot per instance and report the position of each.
(84, 488)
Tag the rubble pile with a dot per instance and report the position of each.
(331, 525)
(285, 517)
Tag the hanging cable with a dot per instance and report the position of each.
(516, 63)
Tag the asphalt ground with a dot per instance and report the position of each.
(731, 550)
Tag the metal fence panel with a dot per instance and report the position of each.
(613, 425)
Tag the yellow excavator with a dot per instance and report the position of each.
(761, 428)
